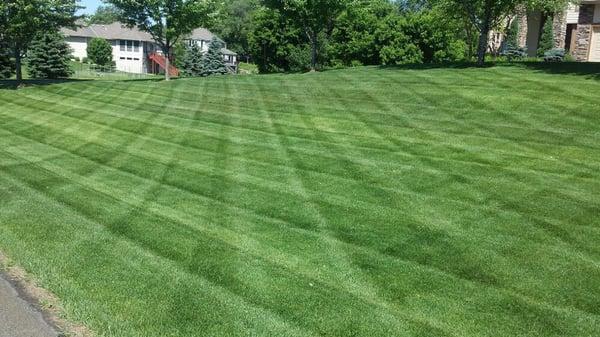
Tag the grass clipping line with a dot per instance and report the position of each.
(48, 304)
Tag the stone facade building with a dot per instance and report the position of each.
(577, 30)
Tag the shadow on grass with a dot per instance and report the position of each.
(586, 69)
(13, 84)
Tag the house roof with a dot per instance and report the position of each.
(226, 51)
(113, 31)
(118, 31)
(201, 34)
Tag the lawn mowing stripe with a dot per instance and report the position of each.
(438, 107)
(93, 187)
(538, 215)
(504, 141)
(437, 120)
(461, 160)
(57, 168)
(221, 293)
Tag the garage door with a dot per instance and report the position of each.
(595, 47)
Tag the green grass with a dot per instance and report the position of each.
(362, 202)
(248, 68)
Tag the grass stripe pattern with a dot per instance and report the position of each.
(359, 202)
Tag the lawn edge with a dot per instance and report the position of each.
(41, 299)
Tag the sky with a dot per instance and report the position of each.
(90, 6)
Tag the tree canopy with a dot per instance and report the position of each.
(312, 16)
(22, 20)
(104, 15)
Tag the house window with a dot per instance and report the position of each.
(122, 44)
(129, 46)
(121, 58)
(136, 46)
(129, 58)
(136, 59)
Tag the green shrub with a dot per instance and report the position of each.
(555, 55)
(547, 38)
(49, 56)
(7, 66)
(99, 51)
(513, 53)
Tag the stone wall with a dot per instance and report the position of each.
(560, 29)
(522, 17)
(584, 32)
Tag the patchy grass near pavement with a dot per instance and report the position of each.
(361, 202)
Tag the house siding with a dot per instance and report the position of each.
(78, 46)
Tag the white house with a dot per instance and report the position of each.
(135, 51)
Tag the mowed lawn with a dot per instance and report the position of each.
(361, 202)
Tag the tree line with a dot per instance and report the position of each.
(294, 35)
(286, 35)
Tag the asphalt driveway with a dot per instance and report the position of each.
(18, 318)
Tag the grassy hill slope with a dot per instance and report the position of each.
(362, 202)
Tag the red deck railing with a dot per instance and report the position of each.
(162, 62)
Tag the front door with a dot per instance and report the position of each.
(595, 46)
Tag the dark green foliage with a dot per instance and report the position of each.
(49, 56)
(235, 24)
(22, 20)
(395, 47)
(512, 35)
(212, 61)
(547, 38)
(365, 32)
(434, 35)
(7, 65)
(99, 51)
(354, 37)
(192, 63)
(276, 44)
(104, 15)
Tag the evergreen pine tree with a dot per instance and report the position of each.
(49, 56)
(547, 38)
(7, 66)
(512, 36)
(213, 62)
(192, 61)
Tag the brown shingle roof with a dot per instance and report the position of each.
(114, 31)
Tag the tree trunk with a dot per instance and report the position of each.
(167, 66)
(313, 53)
(18, 71)
(483, 41)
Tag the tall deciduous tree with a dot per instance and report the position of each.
(484, 15)
(235, 23)
(167, 21)
(104, 15)
(22, 20)
(314, 16)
